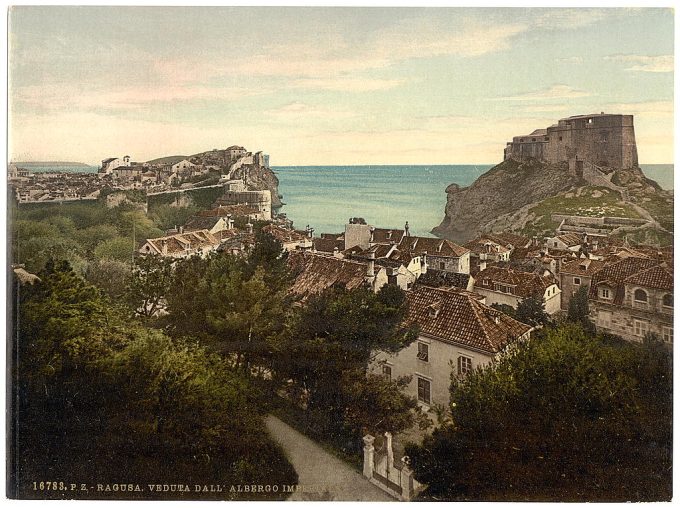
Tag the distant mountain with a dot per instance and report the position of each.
(36, 164)
(172, 159)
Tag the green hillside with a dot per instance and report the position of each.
(172, 159)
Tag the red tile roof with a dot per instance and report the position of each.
(524, 284)
(315, 273)
(632, 270)
(582, 266)
(419, 245)
(460, 318)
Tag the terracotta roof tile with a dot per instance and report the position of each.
(460, 318)
(418, 245)
(524, 284)
(315, 273)
(616, 275)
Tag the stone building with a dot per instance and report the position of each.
(439, 254)
(181, 245)
(574, 275)
(260, 200)
(506, 286)
(633, 297)
(457, 331)
(606, 140)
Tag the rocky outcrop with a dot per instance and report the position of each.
(259, 178)
(245, 167)
(504, 189)
(508, 196)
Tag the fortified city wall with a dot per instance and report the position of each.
(604, 140)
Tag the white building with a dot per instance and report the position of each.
(506, 286)
(458, 333)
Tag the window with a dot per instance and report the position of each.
(668, 300)
(533, 139)
(577, 281)
(387, 372)
(442, 265)
(554, 244)
(423, 351)
(464, 365)
(640, 295)
(640, 328)
(560, 138)
(605, 293)
(545, 138)
(667, 333)
(485, 282)
(424, 388)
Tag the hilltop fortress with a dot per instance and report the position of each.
(603, 140)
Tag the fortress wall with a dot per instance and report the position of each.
(603, 140)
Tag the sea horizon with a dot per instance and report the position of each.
(385, 195)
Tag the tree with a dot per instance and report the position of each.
(118, 249)
(505, 309)
(567, 417)
(151, 280)
(578, 311)
(91, 381)
(531, 310)
(329, 346)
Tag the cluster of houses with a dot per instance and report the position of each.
(171, 172)
(52, 187)
(451, 289)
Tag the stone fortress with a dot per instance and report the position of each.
(604, 140)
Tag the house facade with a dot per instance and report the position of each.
(181, 245)
(575, 275)
(632, 298)
(458, 333)
(440, 254)
(506, 286)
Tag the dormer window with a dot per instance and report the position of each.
(433, 310)
(640, 296)
(605, 293)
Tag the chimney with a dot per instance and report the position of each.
(249, 228)
(164, 247)
(181, 229)
(392, 276)
(406, 231)
(370, 271)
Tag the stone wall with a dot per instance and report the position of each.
(604, 140)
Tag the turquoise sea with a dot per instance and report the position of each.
(325, 197)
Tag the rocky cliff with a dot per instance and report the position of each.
(521, 196)
(246, 167)
(259, 178)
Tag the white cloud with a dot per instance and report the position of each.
(554, 92)
(644, 63)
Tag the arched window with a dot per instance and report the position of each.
(640, 295)
(668, 300)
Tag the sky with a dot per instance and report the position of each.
(329, 86)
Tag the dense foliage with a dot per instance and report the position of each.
(99, 399)
(327, 352)
(566, 416)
